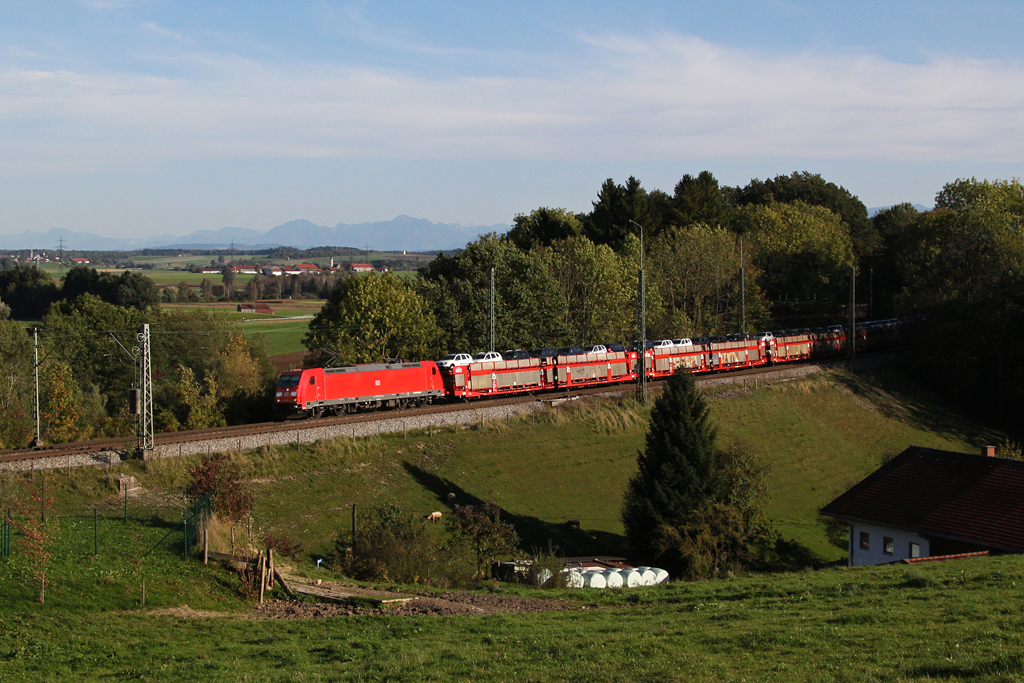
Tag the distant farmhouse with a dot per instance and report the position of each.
(262, 309)
(360, 267)
(929, 503)
(300, 268)
(80, 261)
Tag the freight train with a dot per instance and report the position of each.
(316, 392)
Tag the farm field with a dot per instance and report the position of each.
(282, 336)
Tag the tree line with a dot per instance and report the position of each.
(205, 373)
(563, 278)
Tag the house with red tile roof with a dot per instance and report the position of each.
(360, 267)
(927, 502)
(300, 268)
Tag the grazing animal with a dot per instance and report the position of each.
(434, 517)
(573, 523)
(451, 498)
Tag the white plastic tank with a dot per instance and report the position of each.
(613, 578)
(631, 578)
(594, 579)
(573, 578)
(661, 576)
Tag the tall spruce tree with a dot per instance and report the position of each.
(679, 470)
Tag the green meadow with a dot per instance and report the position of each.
(943, 621)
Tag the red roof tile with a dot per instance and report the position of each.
(959, 496)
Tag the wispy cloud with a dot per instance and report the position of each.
(107, 5)
(156, 29)
(660, 97)
(350, 21)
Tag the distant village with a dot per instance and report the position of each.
(218, 269)
(297, 269)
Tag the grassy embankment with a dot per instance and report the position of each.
(957, 620)
(820, 434)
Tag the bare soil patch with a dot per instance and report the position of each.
(424, 603)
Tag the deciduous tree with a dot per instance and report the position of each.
(39, 526)
(482, 527)
(372, 317)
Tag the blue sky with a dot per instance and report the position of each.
(147, 117)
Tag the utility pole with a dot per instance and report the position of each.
(853, 316)
(145, 420)
(492, 310)
(641, 378)
(743, 292)
(871, 293)
(35, 369)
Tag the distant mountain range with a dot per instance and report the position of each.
(400, 233)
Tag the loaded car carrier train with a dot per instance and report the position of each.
(315, 392)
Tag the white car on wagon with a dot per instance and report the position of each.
(454, 359)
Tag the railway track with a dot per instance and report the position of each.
(273, 431)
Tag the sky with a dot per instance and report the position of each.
(145, 117)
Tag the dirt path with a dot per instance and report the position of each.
(369, 601)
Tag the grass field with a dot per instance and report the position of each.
(282, 336)
(825, 433)
(952, 621)
(944, 621)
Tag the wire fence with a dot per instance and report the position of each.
(127, 527)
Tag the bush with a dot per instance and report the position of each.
(221, 479)
(392, 545)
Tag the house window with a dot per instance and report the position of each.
(915, 550)
(887, 545)
(865, 540)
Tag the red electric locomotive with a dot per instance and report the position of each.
(320, 391)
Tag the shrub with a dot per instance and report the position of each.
(221, 479)
(392, 545)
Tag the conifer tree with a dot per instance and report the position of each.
(692, 508)
(677, 473)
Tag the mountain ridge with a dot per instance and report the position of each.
(400, 233)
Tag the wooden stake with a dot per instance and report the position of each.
(143, 592)
(232, 541)
(270, 565)
(206, 545)
(263, 577)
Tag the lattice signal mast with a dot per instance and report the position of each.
(141, 352)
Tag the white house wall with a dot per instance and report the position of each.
(875, 553)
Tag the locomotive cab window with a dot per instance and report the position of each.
(433, 371)
(289, 381)
(312, 380)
